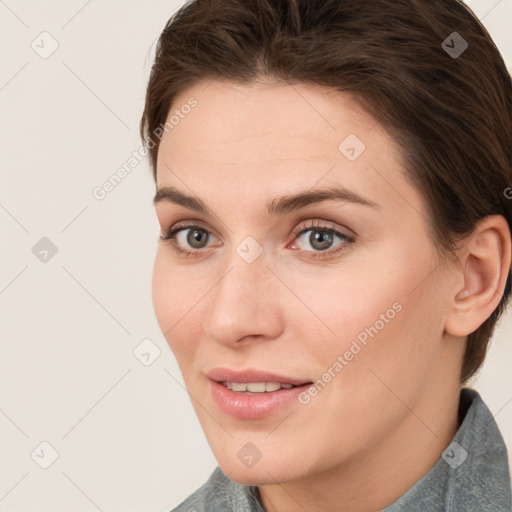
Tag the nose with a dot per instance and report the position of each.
(244, 303)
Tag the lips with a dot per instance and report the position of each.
(253, 394)
(254, 406)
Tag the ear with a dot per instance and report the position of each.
(484, 266)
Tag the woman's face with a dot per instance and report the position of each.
(343, 297)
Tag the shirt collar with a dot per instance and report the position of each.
(472, 474)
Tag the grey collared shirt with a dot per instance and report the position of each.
(472, 475)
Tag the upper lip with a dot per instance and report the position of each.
(252, 375)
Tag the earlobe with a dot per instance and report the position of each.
(484, 267)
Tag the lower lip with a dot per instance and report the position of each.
(252, 407)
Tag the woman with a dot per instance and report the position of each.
(331, 186)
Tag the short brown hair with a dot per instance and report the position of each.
(450, 114)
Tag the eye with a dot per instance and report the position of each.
(321, 238)
(194, 237)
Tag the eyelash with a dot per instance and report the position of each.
(170, 238)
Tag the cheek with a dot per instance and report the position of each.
(175, 304)
(386, 343)
(369, 314)
(162, 293)
(345, 304)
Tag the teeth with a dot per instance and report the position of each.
(271, 386)
(256, 387)
(236, 386)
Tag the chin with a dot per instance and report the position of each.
(253, 476)
(262, 472)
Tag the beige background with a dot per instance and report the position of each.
(126, 435)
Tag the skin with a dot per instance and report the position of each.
(383, 421)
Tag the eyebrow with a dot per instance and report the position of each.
(279, 206)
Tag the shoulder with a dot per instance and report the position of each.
(481, 476)
(221, 494)
(472, 474)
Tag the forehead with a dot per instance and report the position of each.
(264, 120)
(272, 138)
